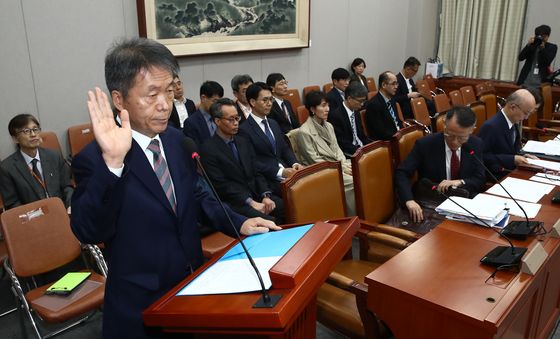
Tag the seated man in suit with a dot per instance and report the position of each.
(443, 158)
(275, 159)
(381, 113)
(346, 119)
(501, 135)
(200, 126)
(282, 111)
(231, 165)
(239, 85)
(340, 79)
(32, 172)
(182, 107)
(407, 88)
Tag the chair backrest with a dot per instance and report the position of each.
(468, 95)
(546, 93)
(456, 98)
(292, 136)
(371, 94)
(404, 140)
(314, 193)
(371, 84)
(491, 103)
(420, 111)
(308, 89)
(441, 101)
(302, 114)
(372, 171)
(293, 97)
(38, 237)
(440, 123)
(484, 88)
(399, 112)
(79, 136)
(362, 114)
(327, 87)
(479, 110)
(431, 81)
(423, 88)
(50, 141)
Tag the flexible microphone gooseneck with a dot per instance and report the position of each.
(515, 229)
(267, 300)
(499, 256)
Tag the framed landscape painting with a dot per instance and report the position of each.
(194, 27)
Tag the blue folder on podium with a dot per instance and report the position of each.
(233, 273)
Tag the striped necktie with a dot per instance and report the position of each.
(162, 173)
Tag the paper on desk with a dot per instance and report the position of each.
(531, 209)
(521, 189)
(546, 178)
(551, 165)
(234, 274)
(491, 211)
(550, 147)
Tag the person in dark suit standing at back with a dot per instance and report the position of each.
(382, 121)
(538, 55)
(137, 190)
(407, 88)
(501, 136)
(239, 85)
(347, 122)
(182, 107)
(274, 157)
(32, 173)
(200, 126)
(282, 111)
(340, 79)
(232, 166)
(445, 159)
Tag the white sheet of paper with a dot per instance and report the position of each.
(546, 178)
(531, 209)
(550, 147)
(525, 190)
(551, 165)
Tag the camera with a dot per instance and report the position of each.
(538, 40)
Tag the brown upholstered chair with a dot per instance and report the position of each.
(78, 137)
(293, 97)
(404, 140)
(423, 88)
(549, 115)
(491, 102)
(432, 83)
(327, 87)
(405, 122)
(441, 101)
(371, 94)
(39, 240)
(421, 113)
(456, 98)
(309, 89)
(363, 121)
(468, 95)
(50, 141)
(479, 110)
(440, 123)
(371, 84)
(302, 114)
(214, 243)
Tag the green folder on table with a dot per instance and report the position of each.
(68, 283)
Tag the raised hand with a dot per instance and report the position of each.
(114, 141)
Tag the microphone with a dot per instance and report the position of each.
(501, 255)
(515, 229)
(267, 300)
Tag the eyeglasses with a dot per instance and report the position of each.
(232, 120)
(526, 113)
(460, 138)
(27, 131)
(394, 83)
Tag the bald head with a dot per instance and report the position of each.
(519, 105)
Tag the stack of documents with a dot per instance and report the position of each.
(525, 190)
(492, 212)
(546, 178)
(550, 147)
(549, 165)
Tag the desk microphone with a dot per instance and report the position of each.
(501, 255)
(267, 300)
(515, 229)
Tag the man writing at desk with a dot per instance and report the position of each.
(137, 189)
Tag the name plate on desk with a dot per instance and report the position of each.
(534, 259)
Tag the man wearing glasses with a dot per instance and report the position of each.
(230, 162)
(445, 159)
(382, 121)
(346, 119)
(32, 172)
(282, 111)
(501, 136)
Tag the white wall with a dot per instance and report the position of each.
(543, 12)
(54, 51)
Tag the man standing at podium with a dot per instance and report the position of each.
(137, 189)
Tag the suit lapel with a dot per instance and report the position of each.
(23, 169)
(507, 133)
(321, 143)
(258, 131)
(440, 158)
(48, 166)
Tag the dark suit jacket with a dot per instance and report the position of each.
(356, 77)
(334, 98)
(195, 127)
(19, 187)
(150, 248)
(402, 96)
(428, 158)
(279, 116)
(379, 122)
(499, 151)
(267, 157)
(174, 117)
(240, 113)
(343, 130)
(546, 55)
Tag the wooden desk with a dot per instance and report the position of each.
(306, 266)
(436, 288)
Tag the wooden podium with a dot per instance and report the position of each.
(297, 276)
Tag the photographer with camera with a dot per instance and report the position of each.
(538, 55)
